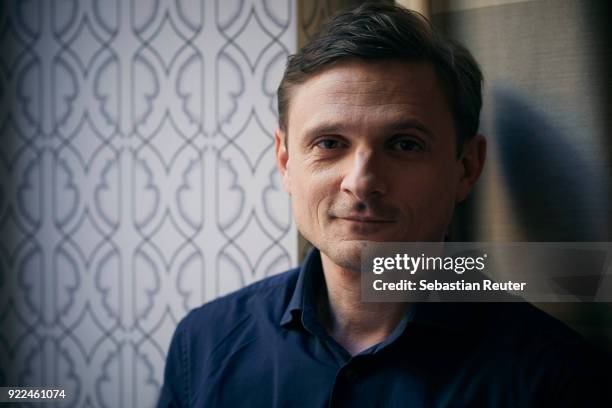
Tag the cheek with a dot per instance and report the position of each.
(311, 192)
(442, 199)
(445, 187)
(428, 192)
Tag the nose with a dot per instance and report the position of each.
(363, 180)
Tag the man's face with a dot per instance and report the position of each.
(371, 156)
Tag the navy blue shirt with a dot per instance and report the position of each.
(264, 346)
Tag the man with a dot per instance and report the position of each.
(377, 141)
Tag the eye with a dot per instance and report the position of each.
(406, 145)
(329, 144)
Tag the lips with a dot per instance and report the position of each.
(371, 220)
(363, 213)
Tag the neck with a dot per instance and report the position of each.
(354, 324)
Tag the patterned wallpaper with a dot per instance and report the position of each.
(137, 180)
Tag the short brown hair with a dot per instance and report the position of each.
(375, 31)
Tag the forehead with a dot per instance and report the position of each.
(371, 94)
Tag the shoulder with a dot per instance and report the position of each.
(218, 326)
(556, 357)
(559, 360)
(549, 360)
(213, 321)
(521, 336)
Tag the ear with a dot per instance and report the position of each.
(282, 158)
(471, 164)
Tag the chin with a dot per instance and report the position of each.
(345, 254)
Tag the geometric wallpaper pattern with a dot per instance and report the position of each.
(137, 181)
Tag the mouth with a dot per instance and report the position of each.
(366, 220)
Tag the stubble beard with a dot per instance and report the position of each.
(346, 253)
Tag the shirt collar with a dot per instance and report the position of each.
(302, 305)
(303, 299)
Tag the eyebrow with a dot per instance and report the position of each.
(339, 128)
(404, 124)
